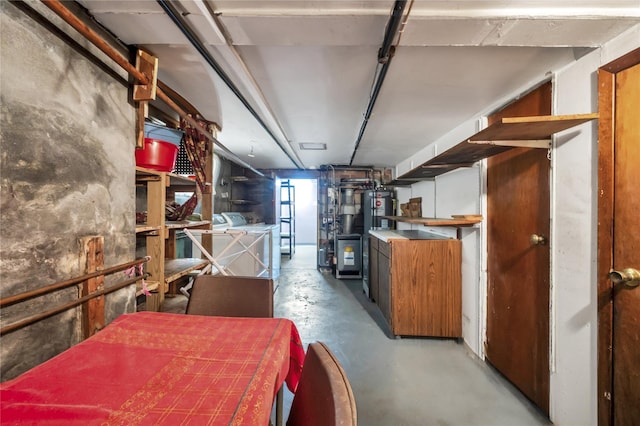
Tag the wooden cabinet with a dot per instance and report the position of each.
(419, 285)
(156, 236)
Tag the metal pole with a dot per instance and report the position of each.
(38, 317)
(21, 297)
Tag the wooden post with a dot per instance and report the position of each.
(142, 112)
(207, 195)
(93, 310)
(156, 196)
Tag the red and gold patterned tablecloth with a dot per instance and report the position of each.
(160, 368)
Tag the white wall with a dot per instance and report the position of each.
(573, 238)
(306, 205)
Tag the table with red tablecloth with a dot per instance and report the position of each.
(161, 368)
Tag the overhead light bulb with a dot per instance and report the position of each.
(251, 154)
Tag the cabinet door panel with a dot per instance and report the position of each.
(384, 288)
(374, 270)
(384, 248)
(426, 281)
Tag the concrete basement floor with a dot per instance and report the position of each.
(408, 381)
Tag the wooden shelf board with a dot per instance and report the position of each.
(432, 221)
(422, 173)
(179, 180)
(146, 175)
(143, 227)
(177, 268)
(144, 171)
(249, 180)
(151, 286)
(180, 224)
(471, 150)
(531, 128)
(403, 182)
(245, 202)
(175, 180)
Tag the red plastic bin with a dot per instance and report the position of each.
(157, 155)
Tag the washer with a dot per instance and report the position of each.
(267, 249)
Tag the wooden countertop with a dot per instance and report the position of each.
(391, 234)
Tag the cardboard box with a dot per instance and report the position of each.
(413, 208)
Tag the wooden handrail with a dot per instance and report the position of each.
(60, 10)
(21, 297)
(37, 317)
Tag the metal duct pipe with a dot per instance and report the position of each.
(385, 54)
(195, 42)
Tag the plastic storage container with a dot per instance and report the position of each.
(162, 133)
(157, 155)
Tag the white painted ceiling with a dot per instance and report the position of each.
(308, 67)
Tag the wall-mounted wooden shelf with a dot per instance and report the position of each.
(508, 133)
(432, 221)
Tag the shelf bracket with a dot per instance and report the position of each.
(537, 143)
(147, 65)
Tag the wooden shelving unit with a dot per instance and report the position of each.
(506, 134)
(288, 218)
(253, 194)
(160, 234)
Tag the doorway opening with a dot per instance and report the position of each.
(298, 214)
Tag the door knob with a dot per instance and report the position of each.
(537, 240)
(629, 276)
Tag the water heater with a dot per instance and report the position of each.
(375, 204)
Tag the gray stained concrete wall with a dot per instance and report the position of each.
(67, 171)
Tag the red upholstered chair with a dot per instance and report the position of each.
(324, 396)
(231, 296)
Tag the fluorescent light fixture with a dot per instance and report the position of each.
(313, 146)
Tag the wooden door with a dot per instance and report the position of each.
(619, 242)
(517, 342)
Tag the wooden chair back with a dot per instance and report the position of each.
(324, 396)
(231, 296)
